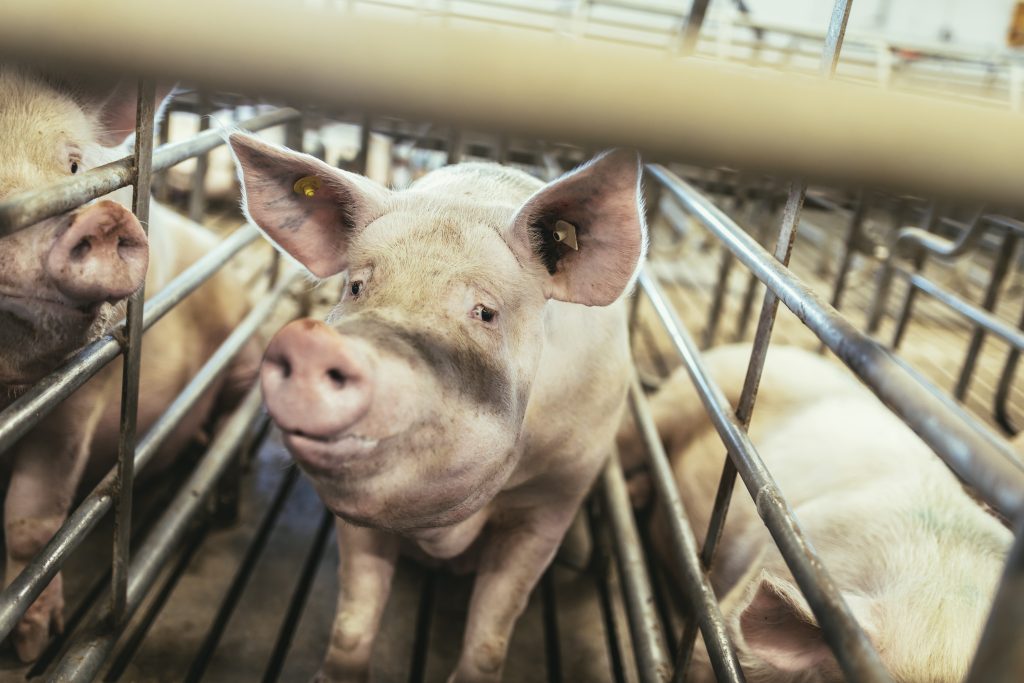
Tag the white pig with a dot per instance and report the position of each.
(467, 388)
(63, 283)
(916, 559)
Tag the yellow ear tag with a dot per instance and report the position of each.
(307, 185)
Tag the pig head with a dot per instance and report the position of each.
(468, 383)
(62, 280)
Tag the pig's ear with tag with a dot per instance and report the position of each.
(586, 229)
(779, 628)
(310, 209)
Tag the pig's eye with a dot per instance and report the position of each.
(485, 314)
(74, 167)
(356, 287)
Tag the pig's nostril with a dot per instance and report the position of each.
(81, 249)
(286, 368)
(336, 376)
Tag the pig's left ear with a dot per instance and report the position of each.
(587, 229)
(114, 104)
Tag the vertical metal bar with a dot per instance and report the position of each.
(691, 29)
(454, 146)
(132, 362)
(724, 271)
(762, 336)
(1001, 399)
(197, 195)
(903, 318)
(1000, 654)
(1000, 269)
(853, 232)
(161, 188)
(653, 662)
(363, 158)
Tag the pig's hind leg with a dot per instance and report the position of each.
(365, 572)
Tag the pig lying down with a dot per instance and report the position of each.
(465, 391)
(63, 283)
(916, 559)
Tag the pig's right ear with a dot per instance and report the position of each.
(310, 209)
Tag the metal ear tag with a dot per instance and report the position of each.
(306, 186)
(565, 233)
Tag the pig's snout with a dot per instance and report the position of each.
(316, 382)
(102, 256)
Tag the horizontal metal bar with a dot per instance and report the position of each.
(973, 451)
(857, 658)
(86, 656)
(25, 209)
(47, 393)
(696, 587)
(744, 118)
(26, 587)
(1008, 333)
(653, 663)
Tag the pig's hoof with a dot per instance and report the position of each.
(33, 632)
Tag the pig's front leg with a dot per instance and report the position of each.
(46, 471)
(364, 582)
(517, 550)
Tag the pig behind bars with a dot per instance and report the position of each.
(63, 283)
(465, 391)
(916, 559)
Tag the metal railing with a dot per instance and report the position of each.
(130, 578)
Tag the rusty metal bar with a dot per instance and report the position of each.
(125, 483)
(857, 658)
(977, 455)
(27, 208)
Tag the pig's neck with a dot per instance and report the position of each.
(445, 543)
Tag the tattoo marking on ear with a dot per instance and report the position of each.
(565, 233)
(306, 186)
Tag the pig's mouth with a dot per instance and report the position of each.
(30, 308)
(326, 453)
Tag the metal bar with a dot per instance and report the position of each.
(857, 658)
(1009, 334)
(86, 656)
(47, 393)
(125, 483)
(691, 29)
(1000, 654)
(298, 600)
(652, 660)
(25, 209)
(197, 194)
(1000, 269)
(977, 455)
(26, 587)
(834, 37)
(853, 231)
(744, 118)
(1002, 396)
(696, 587)
(233, 594)
(919, 260)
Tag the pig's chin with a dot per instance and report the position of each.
(35, 340)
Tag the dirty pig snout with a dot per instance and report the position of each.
(102, 256)
(316, 382)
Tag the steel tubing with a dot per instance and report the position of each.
(25, 209)
(857, 658)
(27, 586)
(973, 451)
(37, 402)
(86, 656)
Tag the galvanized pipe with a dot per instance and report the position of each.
(653, 663)
(47, 393)
(19, 595)
(976, 454)
(696, 587)
(857, 658)
(551, 88)
(86, 656)
(25, 209)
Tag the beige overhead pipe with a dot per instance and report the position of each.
(552, 86)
